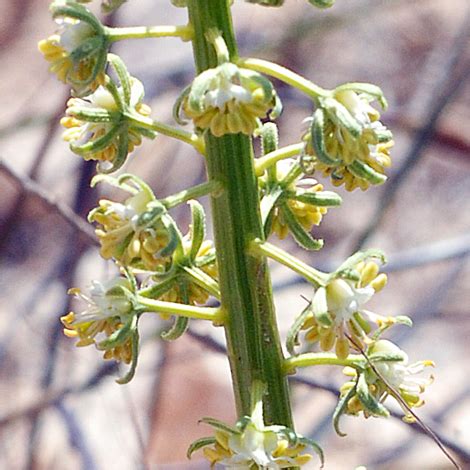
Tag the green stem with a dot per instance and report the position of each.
(253, 341)
(268, 160)
(312, 275)
(215, 315)
(203, 189)
(203, 280)
(321, 359)
(184, 32)
(170, 131)
(285, 75)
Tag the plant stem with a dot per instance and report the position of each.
(253, 342)
(321, 359)
(170, 131)
(312, 275)
(184, 32)
(285, 75)
(195, 192)
(268, 160)
(215, 315)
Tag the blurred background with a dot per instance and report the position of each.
(60, 407)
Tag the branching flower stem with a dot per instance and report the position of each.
(312, 275)
(253, 341)
(170, 131)
(267, 161)
(203, 189)
(321, 359)
(215, 315)
(285, 75)
(185, 32)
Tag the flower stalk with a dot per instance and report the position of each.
(185, 32)
(252, 336)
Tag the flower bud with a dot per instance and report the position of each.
(228, 100)
(98, 126)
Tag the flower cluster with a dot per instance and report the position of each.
(108, 313)
(336, 316)
(137, 233)
(98, 127)
(253, 445)
(387, 373)
(77, 52)
(346, 141)
(228, 99)
(293, 204)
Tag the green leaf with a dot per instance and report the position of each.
(301, 236)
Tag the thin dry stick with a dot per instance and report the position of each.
(27, 185)
(398, 397)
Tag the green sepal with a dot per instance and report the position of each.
(268, 3)
(119, 336)
(403, 320)
(387, 357)
(318, 198)
(267, 206)
(295, 171)
(157, 290)
(79, 12)
(92, 114)
(383, 135)
(362, 323)
(123, 75)
(320, 308)
(317, 131)
(277, 108)
(372, 91)
(199, 88)
(368, 401)
(256, 77)
(122, 152)
(339, 114)
(175, 237)
(202, 279)
(221, 426)
(301, 236)
(178, 104)
(292, 339)
(269, 138)
(151, 216)
(199, 444)
(322, 3)
(364, 171)
(319, 451)
(341, 408)
(176, 330)
(135, 357)
(198, 228)
(98, 144)
(108, 6)
(141, 184)
(356, 258)
(88, 47)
